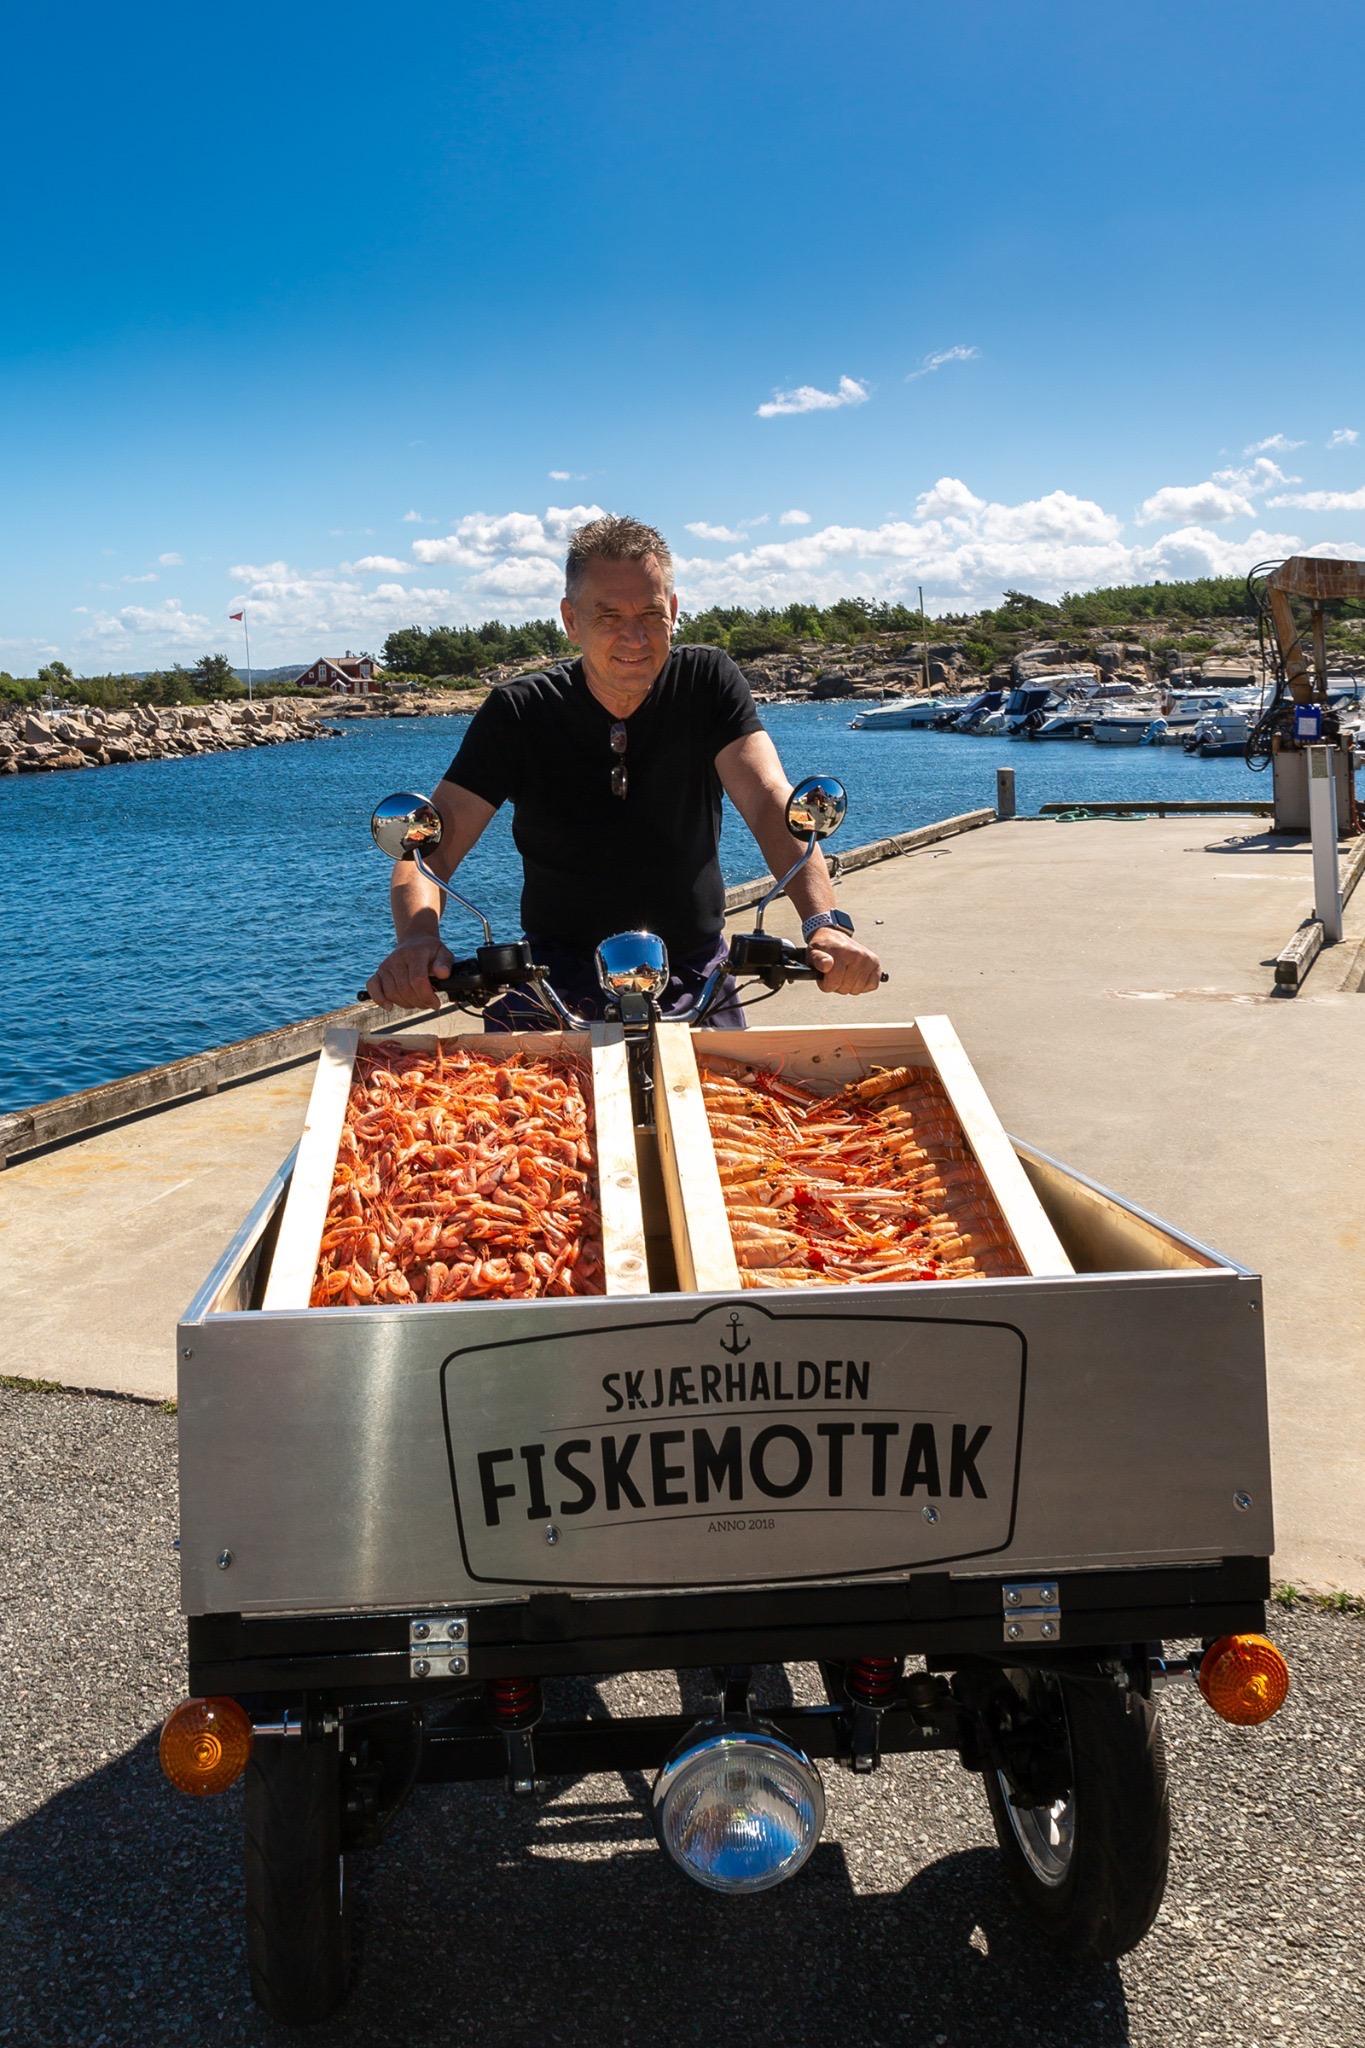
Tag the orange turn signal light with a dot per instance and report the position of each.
(1245, 1679)
(205, 1745)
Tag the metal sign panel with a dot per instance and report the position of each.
(734, 1444)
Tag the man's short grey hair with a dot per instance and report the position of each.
(612, 539)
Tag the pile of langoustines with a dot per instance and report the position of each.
(462, 1175)
(873, 1183)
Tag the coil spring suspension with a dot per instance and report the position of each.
(514, 1702)
(873, 1681)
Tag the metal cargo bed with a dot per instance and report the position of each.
(633, 1483)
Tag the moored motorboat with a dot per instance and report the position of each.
(905, 714)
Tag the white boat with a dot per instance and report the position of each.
(1214, 738)
(1116, 729)
(904, 714)
(1066, 725)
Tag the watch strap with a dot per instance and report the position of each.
(822, 920)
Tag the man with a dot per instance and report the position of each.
(614, 765)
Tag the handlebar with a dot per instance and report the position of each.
(759, 955)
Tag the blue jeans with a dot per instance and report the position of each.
(573, 972)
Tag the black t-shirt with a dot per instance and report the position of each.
(597, 863)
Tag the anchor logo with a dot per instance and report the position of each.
(734, 1343)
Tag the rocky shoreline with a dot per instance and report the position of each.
(88, 736)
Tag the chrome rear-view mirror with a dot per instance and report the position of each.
(407, 826)
(816, 807)
(633, 963)
(404, 823)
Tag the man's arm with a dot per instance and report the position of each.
(754, 780)
(403, 979)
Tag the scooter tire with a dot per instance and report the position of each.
(1090, 1870)
(298, 1923)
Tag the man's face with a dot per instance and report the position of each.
(622, 618)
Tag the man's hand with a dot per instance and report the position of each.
(403, 981)
(845, 967)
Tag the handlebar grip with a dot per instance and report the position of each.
(796, 966)
(463, 984)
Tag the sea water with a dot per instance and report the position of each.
(159, 908)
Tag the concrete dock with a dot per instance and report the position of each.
(1112, 982)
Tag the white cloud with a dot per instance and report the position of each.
(1336, 550)
(1194, 551)
(1323, 501)
(377, 565)
(958, 354)
(150, 577)
(412, 519)
(806, 398)
(1275, 444)
(967, 550)
(260, 572)
(705, 532)
(1208, 500)
(521, 577)
(167, 623)
(170, 561)
(1343, 437)
(480, 537)
(795, 517)
(558, 476)
(1259, 475)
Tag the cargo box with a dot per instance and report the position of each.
(295, 1258)
(823, 1058)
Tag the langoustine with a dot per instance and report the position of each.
(874, 1182)
(462, 1175)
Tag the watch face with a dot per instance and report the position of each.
(842, 919)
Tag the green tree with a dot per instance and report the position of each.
(212, 678)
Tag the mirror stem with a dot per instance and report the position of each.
(779, 886)
(454, 894)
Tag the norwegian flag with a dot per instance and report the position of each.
(235, 615)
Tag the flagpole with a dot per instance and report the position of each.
(247, 638)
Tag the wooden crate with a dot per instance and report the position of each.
(824, 1057)
(297, 1248)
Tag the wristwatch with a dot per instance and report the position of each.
(840, 919)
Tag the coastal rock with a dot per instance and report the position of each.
(834, 682)
(37, 731)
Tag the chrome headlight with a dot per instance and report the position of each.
(738, 1807)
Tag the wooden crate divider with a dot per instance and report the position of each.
(816, 1055)
(703, 1249)
(290, 1280)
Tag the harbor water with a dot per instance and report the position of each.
(154, 910)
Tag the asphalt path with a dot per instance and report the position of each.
(559, 1921)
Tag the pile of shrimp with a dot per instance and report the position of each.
(874, 1183)
(462, 1176)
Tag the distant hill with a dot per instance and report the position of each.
(273, 675)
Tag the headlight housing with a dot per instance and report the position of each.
(738, 1807)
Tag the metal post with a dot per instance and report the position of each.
(1322, 825)
(247, 637)
(1004, 793)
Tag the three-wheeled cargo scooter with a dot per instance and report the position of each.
(980, 1507)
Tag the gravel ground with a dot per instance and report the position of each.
(562, 1924)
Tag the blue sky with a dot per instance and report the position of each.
(346, 313)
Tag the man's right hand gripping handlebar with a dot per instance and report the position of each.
(404, 980)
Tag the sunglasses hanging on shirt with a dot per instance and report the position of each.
(618, 737)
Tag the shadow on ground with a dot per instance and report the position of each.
(553, 1922)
